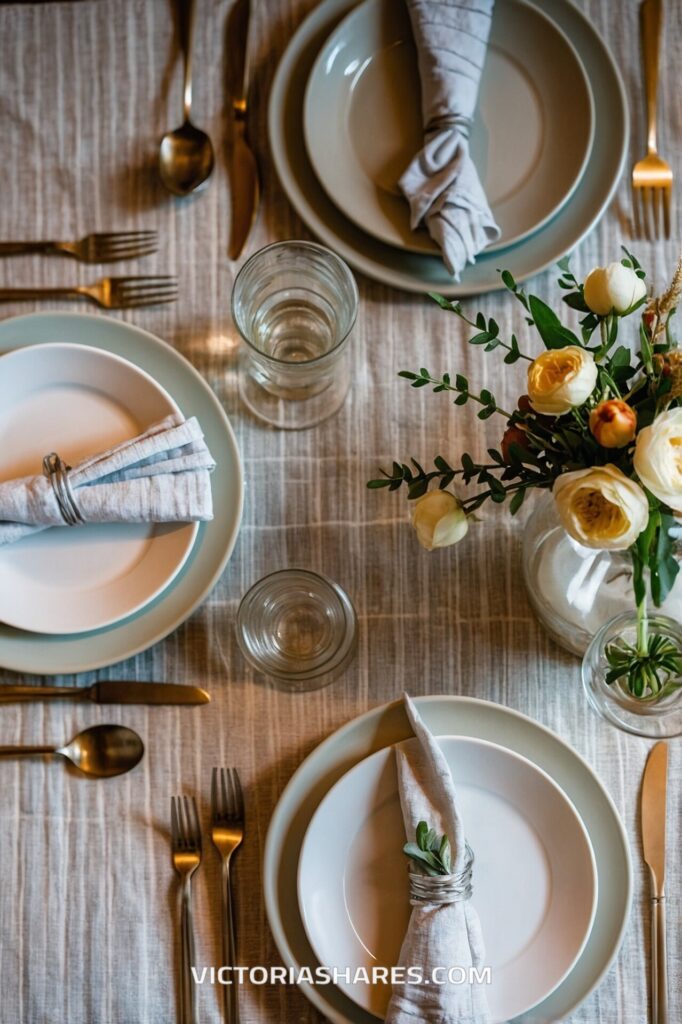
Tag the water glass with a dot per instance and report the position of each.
(294, 304)
(298, 628)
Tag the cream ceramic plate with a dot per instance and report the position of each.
(535, 886)
(446, 715)
(76, 401)
(414, 271)
(530, 139)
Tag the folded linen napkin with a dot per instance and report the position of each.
(161, 476)
(439, 935)
(441, 183)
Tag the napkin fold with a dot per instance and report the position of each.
(438, 936)
(161, 476)
(441, 183)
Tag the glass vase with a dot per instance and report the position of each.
(575, 591)
(656, 717)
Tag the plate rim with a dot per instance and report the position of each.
(20, 659)
(514, 756)
(406, 280)
(503, 243)
(194, 526)
(281, 823)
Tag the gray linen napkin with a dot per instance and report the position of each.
(161, 476)
(441, 183)
(442, 936)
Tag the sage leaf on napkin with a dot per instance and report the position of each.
(431, 852)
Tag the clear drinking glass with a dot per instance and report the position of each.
(297, 627)
(294, 304)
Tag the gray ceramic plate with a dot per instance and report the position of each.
(52, 655)
(413, 271)
(460, 716)
(530, 139)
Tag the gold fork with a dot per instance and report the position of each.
(109, 292)
(227, 833)
(98, 248)
(652, 177)
(186, 846)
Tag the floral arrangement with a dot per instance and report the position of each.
(600, 428)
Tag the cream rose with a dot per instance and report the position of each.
(658, 458)
(614, 288)
(560, 379)
(601, 507)
(439, 520)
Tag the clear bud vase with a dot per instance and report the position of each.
(575, 591)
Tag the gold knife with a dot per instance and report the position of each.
(654, 786)
(243, 169)
(112, 691)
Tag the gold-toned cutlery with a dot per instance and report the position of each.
(652, 177)
(227, 833)
(654, 791)
(186, 849)
(243, 169)
(109, 292)
(109, 691)
(186, 156)
(101, 751)
(97, 248)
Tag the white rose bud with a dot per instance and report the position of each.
(658, 458)
(438, 519)
(614, 288)
(601, 507)
(560, 379)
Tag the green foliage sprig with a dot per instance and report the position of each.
(431, 852)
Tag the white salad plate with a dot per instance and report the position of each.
(77, 401)
(51, 654)
(530, 138)
(416, 272)
(534, 880)
(446, 716)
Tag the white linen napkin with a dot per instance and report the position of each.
(161, 476)
(441, 183)
(447, 935)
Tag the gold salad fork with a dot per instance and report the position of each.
(109, 292)
(652, 177)
(186, 846)
(227, 833)
(98, 248)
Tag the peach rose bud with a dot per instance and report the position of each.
(613, 423)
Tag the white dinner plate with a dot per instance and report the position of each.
(413, 271)
(78, 401)
(530, 138)
(535, 887)
(447, 715)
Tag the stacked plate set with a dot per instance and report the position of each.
(549, 138)
(552, 874)
(71, 601)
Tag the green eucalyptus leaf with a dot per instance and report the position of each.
(550, 328)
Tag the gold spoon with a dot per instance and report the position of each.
(186, 155)
(100, 752)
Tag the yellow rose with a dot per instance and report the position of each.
(613, 289)
(438, 519)
(601, 507)
(560, 379)
(658, 458)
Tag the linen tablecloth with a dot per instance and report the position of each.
(87, 900)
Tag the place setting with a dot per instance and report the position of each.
(340, 628)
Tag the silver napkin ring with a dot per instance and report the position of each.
(57, 472)
(442, 889)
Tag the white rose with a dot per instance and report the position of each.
(439, 520)
(614, 288)
(601, 507)
(560, 379)
(658, 458)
